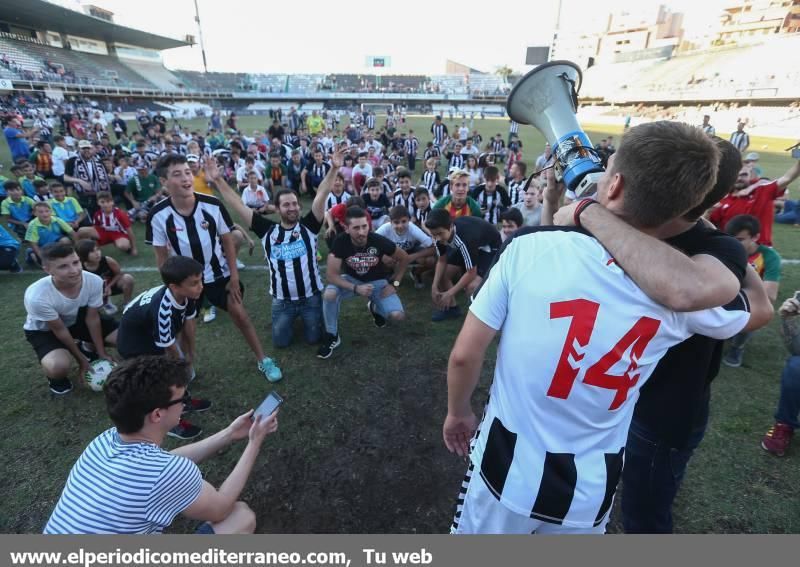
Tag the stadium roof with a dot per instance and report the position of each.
(42, 15)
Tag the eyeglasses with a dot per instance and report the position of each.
(185, 399)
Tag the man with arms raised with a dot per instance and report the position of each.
(290, 247)
(190, 224)
(550, 449)
(125, 483)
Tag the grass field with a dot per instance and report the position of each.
(359, 447)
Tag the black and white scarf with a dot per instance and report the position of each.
(93, 172)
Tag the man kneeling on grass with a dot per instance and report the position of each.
(355, 267)
(125, 483)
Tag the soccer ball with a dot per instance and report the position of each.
(98, 373)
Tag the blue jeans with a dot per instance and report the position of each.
(383, 305)
(789, 402)
(285, 311)
(790, 214)
(651, 478)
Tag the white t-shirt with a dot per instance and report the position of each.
(463, 133)
(242, 173)
(257, 197)
(44, 302)
(60, 156)
(414, 237)
(366, 171)
(578, 339)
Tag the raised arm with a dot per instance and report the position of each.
(231, 198)
(785, 179)
(668, 276)
(324, 189)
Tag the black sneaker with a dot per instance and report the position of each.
(329, 342)
(380, 321)
(196, 405)
(60, 387)
(184, 430)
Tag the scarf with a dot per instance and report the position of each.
(93, 172)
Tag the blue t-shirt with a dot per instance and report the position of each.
(22, 211)
(18, 146)
(6, 240)
(67, 210)
(117, 487)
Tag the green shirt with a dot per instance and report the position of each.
(767, 263)
(142, 188)
(43, 234)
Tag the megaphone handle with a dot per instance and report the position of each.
(572, 92)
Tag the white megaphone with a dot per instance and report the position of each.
(547, 98)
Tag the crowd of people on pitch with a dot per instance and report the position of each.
(467, 221)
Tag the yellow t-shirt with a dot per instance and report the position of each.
(201, 185)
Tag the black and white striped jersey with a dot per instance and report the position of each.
(371, 121)
(334, 199)
(431, 180)
(291, 255)
(552, 440)
(411, 145)
(197, 236)
(457, 161)
(439, 132)
(513, 128)
(516, 191)
(492, 203)
(407, 201)
(498, 146)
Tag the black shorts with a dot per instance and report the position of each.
(483, 262)
(216, 293)
(116, 290)
(45, 342)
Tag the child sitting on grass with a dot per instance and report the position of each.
(115, 281)
(111, 225)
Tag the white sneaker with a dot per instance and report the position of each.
(239, 264)
(109, 309)
(210, 315)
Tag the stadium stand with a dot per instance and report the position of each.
(215, 82)
(156, 74)
(37, 61)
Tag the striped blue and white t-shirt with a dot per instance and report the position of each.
(124, 488)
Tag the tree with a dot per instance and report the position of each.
(504, 71)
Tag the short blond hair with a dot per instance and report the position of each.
(458, 174)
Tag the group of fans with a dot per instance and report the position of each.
(639, 293)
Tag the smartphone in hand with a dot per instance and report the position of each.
(272, 402)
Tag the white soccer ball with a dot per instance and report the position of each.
(98, 373)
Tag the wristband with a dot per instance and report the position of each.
(582, 206)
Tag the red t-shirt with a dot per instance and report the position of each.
(338, 213)
(759, 203)
(116, 221)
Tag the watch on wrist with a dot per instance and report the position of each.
(396, 283)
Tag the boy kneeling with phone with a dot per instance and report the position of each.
(144, 397)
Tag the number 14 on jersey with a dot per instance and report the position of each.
(583, 315)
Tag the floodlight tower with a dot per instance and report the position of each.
(200, 35)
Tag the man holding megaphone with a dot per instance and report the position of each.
(578, 337)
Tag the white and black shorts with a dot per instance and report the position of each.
(479, 511)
